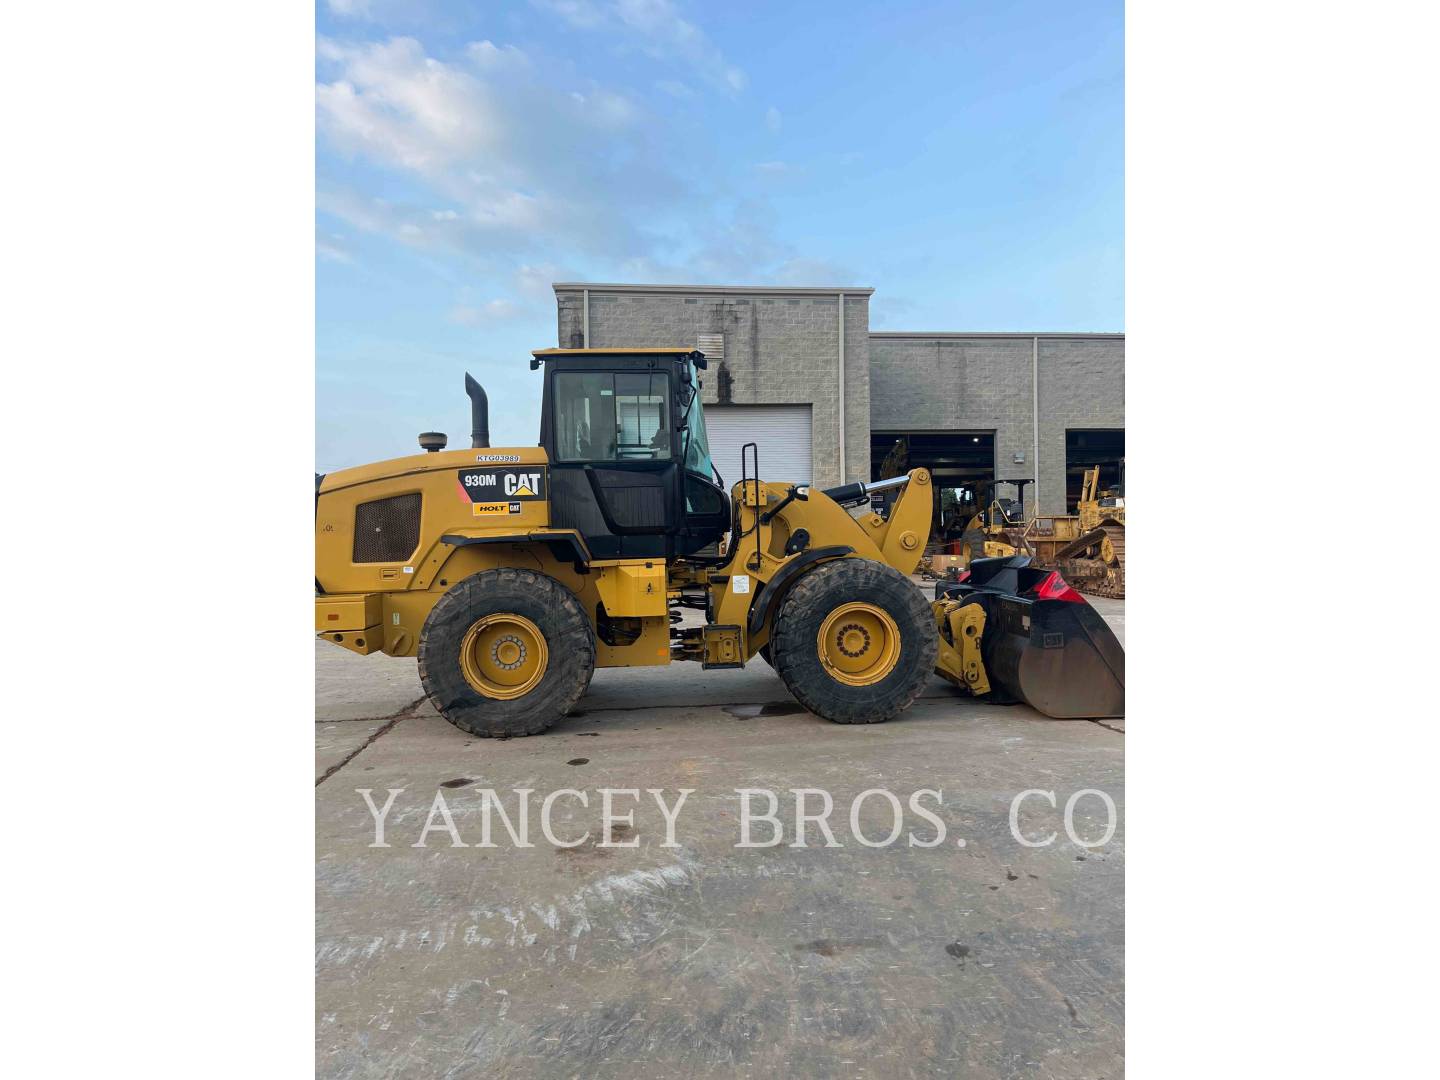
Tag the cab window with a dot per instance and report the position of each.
(703, 499)
(697, 442)
(612, 416)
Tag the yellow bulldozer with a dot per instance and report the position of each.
(513, 573)
(1088, 547)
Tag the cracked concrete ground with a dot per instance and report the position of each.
(991, 959)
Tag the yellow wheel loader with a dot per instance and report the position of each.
(512, 573)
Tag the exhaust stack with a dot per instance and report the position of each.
(479, 413)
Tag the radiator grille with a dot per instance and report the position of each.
(387, 530)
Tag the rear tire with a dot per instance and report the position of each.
(854, 641)
(506, 652)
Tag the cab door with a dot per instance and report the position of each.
(615, 473)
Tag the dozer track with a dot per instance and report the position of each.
(1084, 565)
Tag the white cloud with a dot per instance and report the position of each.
(743, 248)
(606, 109)
(396, 105)
(486, 314)
(518, 159)
(665, 33)
(530, 176)
(505, 221)
(581, 14)
(773, 120)
(534, 281)
(331, 246)
(349, 9)
(658, 29)
(806, 271)
(417, 13)
(658, 19)
(488, 56)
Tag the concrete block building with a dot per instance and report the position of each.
(800, 372)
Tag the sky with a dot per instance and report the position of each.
(964, 159)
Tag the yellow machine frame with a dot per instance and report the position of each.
(371, 607)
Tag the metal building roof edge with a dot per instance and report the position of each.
(951, 335)
(821, 290)
(715, 290)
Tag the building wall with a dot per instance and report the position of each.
(781, 348)
(954, 382)
(1082, 385)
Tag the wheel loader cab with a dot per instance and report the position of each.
(630, 464)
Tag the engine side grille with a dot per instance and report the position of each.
(387, 530)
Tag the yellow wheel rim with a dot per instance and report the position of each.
(859, 644)
(504, 656)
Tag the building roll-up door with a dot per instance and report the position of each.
(782, 432)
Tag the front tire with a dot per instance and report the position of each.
(506, 652)
(854, 641)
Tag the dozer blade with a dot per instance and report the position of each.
(1043, 644)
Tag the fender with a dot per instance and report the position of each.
(565, 546)
(787, 574)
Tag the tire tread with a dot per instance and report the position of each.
(568, 635)
(793, 648)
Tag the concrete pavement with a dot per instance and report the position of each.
(991, 959)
